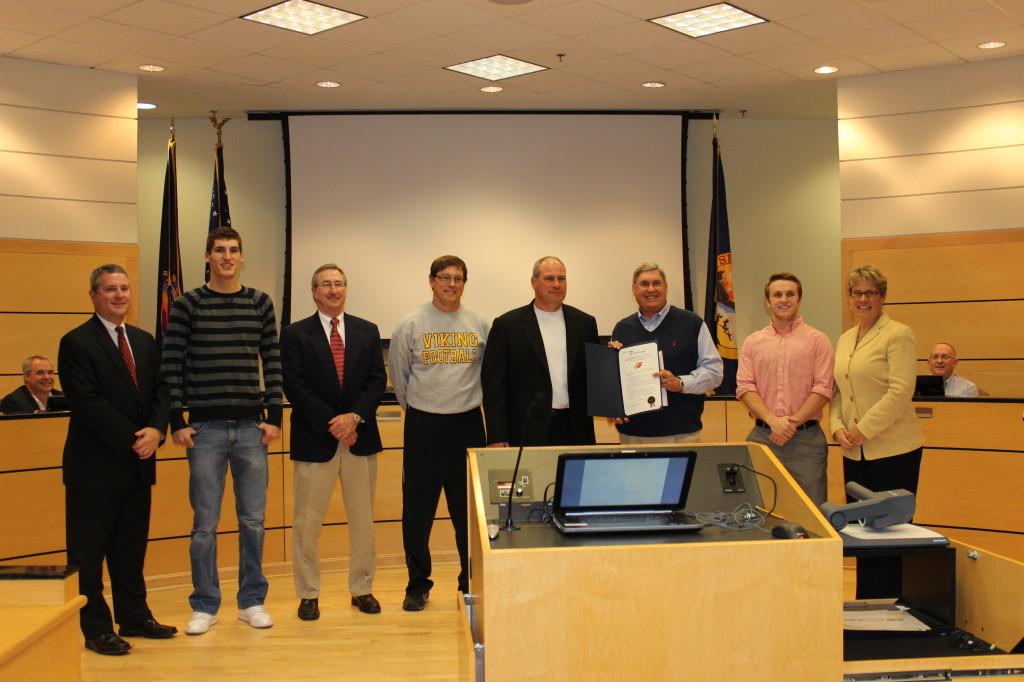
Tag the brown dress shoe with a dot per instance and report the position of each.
(366, 603)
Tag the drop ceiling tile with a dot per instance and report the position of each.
(439, 17)
(438, 52)
(229, 8)
(906, 11)
(208, 76)
(245, 35)
(160, 15)
(118, 36)
(721, 69)
(308, 81)
(65, 52)
(958, 25)
(910, 57)
(373, 35)
(511, 10)
(890, 37)
(92, 8)
(686, 51)
(795, 55)
(754, 38)
(315, 51)
(262, 68)
(620, 71)
(624, 38)
(194, 52)
(369, 8)
(30, 17)
(502, 35)
(130, 64)
(573, 51)
(438, 81)
(13, 40)
(760, 78)
(381, 67)
(777, 10)
(848, 66)
(1014, 8)
(967, 47)
(550, 81)
(837, 22)
(576, 18)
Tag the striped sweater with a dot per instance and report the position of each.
(211, 357)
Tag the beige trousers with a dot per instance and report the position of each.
(314, 483)
(626, 439)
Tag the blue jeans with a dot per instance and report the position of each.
(219, 443)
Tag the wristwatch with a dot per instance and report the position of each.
(357, 419)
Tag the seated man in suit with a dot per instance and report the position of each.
(535, 357)
(942, 362)
(119, 408)
(333, 367)
(38, 393)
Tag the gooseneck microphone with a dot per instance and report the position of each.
(539, 400)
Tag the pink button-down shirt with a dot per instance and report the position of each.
(784, 369)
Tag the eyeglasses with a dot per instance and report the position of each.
(866, 293)
(337, 284)
(448, 279)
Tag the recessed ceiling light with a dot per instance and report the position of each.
(145, 105)
(704, 21)
(328, 84)
(496, 67)
(653, 84)
(303, 16)
(491, 88)
(151, 67)
(991, 45)
(826, 69)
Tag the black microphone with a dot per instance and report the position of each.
(539, 399)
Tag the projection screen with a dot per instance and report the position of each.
(383, 195)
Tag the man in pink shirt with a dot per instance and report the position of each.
(785, 379)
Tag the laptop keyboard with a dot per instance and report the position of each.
(660, 518)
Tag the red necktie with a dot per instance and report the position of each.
(338, 351)
(126, 353)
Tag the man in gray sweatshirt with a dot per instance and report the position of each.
(434, 357)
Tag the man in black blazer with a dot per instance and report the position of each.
(333, 366)
(535, 358)
(118, 401)
(38, 393)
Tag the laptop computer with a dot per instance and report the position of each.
(929, 385)
(624, 492)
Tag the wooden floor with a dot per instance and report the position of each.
(343, 644)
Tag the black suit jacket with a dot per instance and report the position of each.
(107, 410)
(20, 401)
(311, 384)
(515, 370)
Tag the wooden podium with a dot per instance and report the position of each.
(717, 605)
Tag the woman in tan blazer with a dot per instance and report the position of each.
(871, 416)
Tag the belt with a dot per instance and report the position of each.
(562, 412)
(809, 424)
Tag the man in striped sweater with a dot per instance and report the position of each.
(217, 337)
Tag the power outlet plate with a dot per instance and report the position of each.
(500, 483)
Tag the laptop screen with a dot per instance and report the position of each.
(623, 481)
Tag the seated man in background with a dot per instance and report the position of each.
(38, 393)
(942, 363)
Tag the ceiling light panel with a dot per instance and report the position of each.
(705, 21)
(496, 68)
(303, 16)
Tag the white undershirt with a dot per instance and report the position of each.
(552, 331)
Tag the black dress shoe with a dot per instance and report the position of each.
(415, 602)
(108, 644)
(149, 628)
(366, 603)
(309, 609)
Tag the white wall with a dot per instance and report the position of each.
(254, 174)
(933, 150)
(67, 153)
(782, 182)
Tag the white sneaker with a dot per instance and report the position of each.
(256, 616)
(200, 623)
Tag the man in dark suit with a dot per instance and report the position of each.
(118, 401)
(535, 357)
(38, 393)
(333, 366)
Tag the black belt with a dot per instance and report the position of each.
(560, 413)
(809, 424)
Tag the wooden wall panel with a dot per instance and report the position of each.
(978, 330)
(971, 489)
(1010, 545)
(11, 382)
(996, 125)
(992, 377)
(958, 171)
(32, 505)
(28, 334)
(62, 133)
(972, 425)
(32, 443)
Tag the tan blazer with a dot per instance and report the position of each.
(874, 388)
